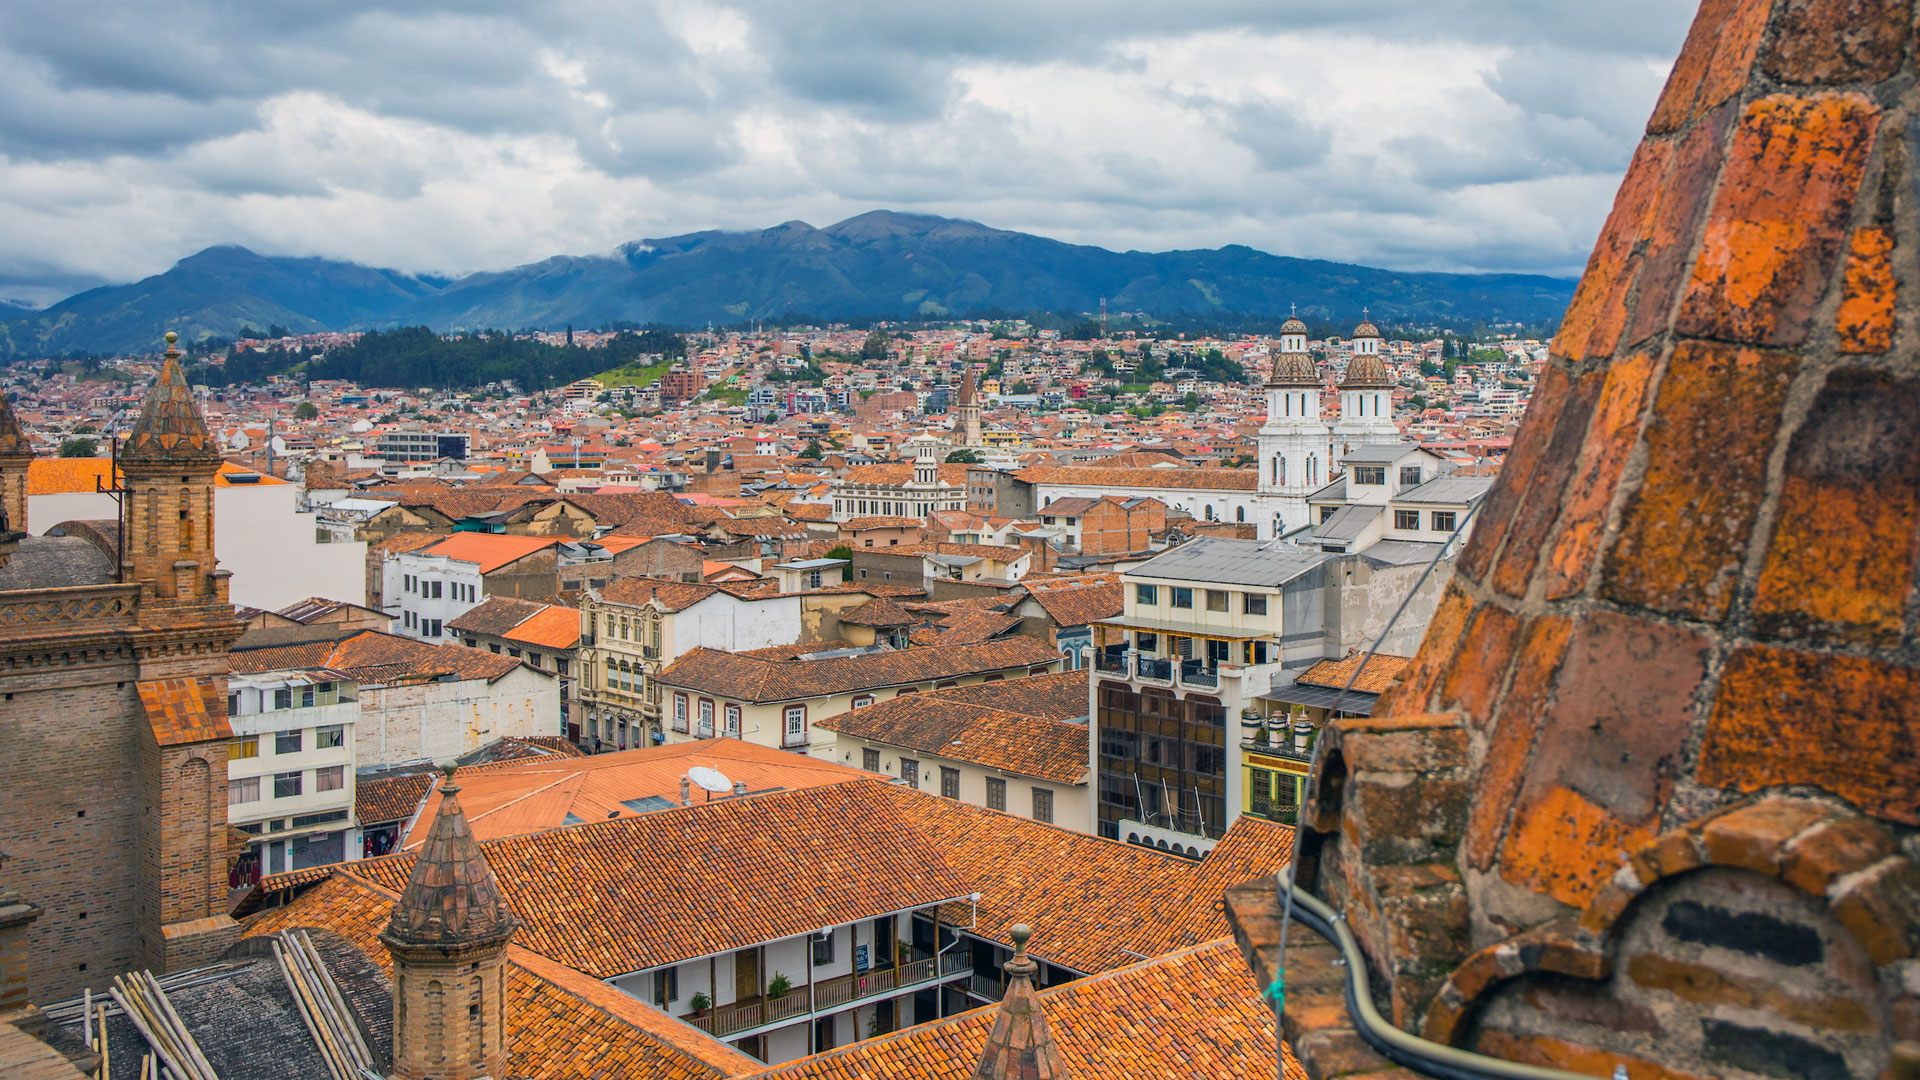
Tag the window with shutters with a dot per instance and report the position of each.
(949, 782)
(1042, 805)
(996, 793)
(910, 771)
(870, 759)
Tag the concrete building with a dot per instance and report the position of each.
(1394, 492)
(421, 446)
(290, 769)
(426, 589)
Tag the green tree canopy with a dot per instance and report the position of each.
(306, 410)
(78, 448)
(813, 451)
(876, 345)
(964, 456)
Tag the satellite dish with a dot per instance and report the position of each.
(709, 779)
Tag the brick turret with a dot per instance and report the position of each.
(16, 455)
(1649, 794)
(448, 939)
(169, 461)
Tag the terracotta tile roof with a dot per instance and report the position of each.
(1051, 750)
(1061, 695)
(881, 521)
(389, 798)
(401, 543)
(562, 1023)
(1252, 847)
(184, 711)
(1080, 605)
(668, 595)
(552, 627)
(993, 552)
(809, 511)
(496, 615)
(878, 612)
(373, 656)
(1086, 897)
(1190, 1014)
(968, 628)
(569, 1026)
(64, 476)
(1379, 674)
(525, 796)
(831, 855)
(1177, 479)
(490, 551)
(762, 679)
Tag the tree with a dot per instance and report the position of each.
(1192, 402)
(875, 347)
(78, 448)
(305, 411)
(845, 552)
(813, 451)
(964, 456)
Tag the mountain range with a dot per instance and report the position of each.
(881, 264)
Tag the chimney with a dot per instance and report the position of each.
(739, 788)
(686, 792)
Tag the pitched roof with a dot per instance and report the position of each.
(490, 551)
(1052, 750)
(496, 615)
(371, 656)
(879, 612)
(832, 855)
(561, 1023)
(389, 798)
(669, 595)
(1174, 479)
(1078, 605)
(762, 679)
(525, 796)
(1059, 695)
(1191, 1013)
(184, 711)
(1375, 678)
(554, 626)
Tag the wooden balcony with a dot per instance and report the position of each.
(829, 995)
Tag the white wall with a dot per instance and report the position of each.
(441, 720)
(258, 533)
(401, 602)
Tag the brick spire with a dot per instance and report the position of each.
(170, 428)
(1672, 694)
(13, 441)
(1020, 1046)
(451, 898)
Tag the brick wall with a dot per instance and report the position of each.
(69, 811)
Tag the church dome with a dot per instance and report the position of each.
(1293, 326)
(1294, 369)
(1366, 372)
(1366, 329)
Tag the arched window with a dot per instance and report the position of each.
(1240, 514)
(1280, 469)
(476, 1031)
(1209, 511)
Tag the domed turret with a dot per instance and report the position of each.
(1366, 329)
(1366, 372)
(1293, 325)
(1294, 369)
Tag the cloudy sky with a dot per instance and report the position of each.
(450, 137)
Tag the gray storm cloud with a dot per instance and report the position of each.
(455, 137)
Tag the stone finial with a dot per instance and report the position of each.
(1020, 1046)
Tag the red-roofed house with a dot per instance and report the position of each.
(425, 590)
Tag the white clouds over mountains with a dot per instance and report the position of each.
(1442, 135)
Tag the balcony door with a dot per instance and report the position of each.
(746, 974)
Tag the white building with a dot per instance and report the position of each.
(290, 768)
(1397, 493)
(278, 554)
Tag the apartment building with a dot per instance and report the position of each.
(1396, 493)
(634, 627)
(421, 446)
(773, 696)
(426, 589)
(1107, 525)
(1018, 746)
(290, 768)
(545, 636)
(1207, 630)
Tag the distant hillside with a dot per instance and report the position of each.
(880, 264)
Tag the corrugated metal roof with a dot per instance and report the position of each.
(1448, 489)
(1232, 562)
(1348, 522)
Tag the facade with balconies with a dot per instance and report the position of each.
(290, 768)
(789, 997)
